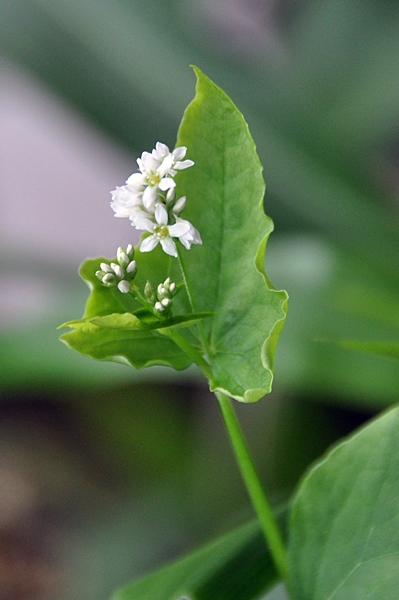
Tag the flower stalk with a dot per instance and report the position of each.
(252, 482)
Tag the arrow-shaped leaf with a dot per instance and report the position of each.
(226, 274)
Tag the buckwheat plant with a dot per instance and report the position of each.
(195, 292)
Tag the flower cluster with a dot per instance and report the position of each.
(148, 200)
(121, 273)
(162, 298)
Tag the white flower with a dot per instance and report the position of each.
(153, 182)
(147, 184)
(126, 204)
(161, 232)
(192, 235)
(161, 152)
(157, 170)
(148, 200)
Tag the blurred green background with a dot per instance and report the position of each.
(109, 472)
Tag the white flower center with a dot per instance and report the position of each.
(162, 231)
(153, 179)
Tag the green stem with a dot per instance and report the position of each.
(185, 279)
(137, 296)
(246, 466)
(254, 487)
(190, 299)
(190, 351)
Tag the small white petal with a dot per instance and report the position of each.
(185, 164)
(169, 246)
(119, 194)
(148, 163)
(158, 306)
(136, 180)
(139, 214)
(124, 286)
(161, 214)
(149, 196)
(124, 202)
(197, 237)
(134, 200)
(165, 302)
(131, 199)
(166, 183)
(166, 165)
(161, 149)
(186, 242)
(129, 250)
(149, 243)
(144, 224)
(178, 229)
(121, 211)
(192, 236)
(179, 153)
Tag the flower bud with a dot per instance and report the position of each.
(180, 204)
(114, 273)
(105, 267)
(149, 293)
(109, 279)
(124, 286)
(122, 258)
(170, 194)
(117, 269)
(131, 269)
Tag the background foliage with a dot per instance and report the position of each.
(318, 84)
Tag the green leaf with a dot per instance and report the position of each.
(124, 343)
(344, 529)
(387, 349)
(226, 274)
(112, 321)
(131, 322)
(233, 567)
(154, 266)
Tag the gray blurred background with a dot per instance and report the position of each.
(106, 472)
